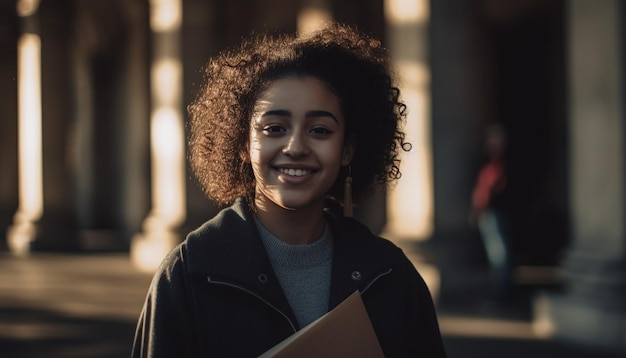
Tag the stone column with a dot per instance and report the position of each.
(410, 202)
(44, 220)
(110, 131)
(592, 309)
(313, 14)
(160, 229)
(461, 98)
(23, 232)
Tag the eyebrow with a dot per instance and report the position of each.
(309, 114)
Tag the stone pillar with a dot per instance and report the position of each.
(23, 232)
(460, 105)
(592, 309)
(313, 14)
(160, 229)
(410, 202)
(110, 127)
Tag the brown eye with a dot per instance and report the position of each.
(273, 129)
(320, 131)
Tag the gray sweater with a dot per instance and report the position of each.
(303, 271)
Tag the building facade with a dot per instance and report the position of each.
(81, 164)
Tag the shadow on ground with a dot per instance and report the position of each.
(39, 333)
(512, 348)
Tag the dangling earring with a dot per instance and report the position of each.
(347, 195)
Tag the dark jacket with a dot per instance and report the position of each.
(216, 295)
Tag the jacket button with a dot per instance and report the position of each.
(356, 275)
(262, 278)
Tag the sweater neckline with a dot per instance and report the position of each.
(309, 255)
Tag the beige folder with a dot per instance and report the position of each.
(346, 331)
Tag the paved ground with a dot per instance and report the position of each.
(69, 305)
(85, 305)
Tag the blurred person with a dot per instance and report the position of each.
(287, 131)
(488, 212)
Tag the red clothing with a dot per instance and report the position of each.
(491, 180)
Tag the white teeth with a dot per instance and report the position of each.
(295, 172)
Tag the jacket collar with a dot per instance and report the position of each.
(359, 258)
(228, 247)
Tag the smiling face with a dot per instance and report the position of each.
(296, 144)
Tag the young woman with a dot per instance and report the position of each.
(286, 131)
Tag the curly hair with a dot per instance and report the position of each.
(353, 64)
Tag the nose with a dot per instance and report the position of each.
(296, 145)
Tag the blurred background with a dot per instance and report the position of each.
(511, 204)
